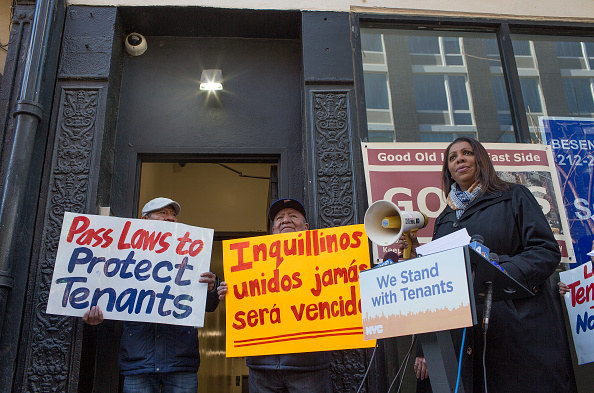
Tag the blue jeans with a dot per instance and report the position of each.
(277, 381)
(181, 382)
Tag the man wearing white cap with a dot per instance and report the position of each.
(292, 372)
(155, 357)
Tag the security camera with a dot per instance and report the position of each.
(135, 44)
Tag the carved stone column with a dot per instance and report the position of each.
(53, 339)
(332, 155)
(334, 201)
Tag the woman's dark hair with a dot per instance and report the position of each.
(486, 174)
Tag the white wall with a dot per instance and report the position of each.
(582, 9)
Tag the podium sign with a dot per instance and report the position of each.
(424, 294)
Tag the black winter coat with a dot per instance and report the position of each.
(527, 347)
(307, 361)
(159, 348)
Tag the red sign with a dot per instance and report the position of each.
(410, 177)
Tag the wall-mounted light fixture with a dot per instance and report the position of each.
(211, 80)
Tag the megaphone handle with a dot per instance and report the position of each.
(407, 250)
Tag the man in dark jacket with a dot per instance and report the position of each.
(158, 356)
(291, 373)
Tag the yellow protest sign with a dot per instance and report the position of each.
(295, 292)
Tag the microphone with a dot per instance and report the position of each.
(493, 258)
(476, 242)
(477, 238)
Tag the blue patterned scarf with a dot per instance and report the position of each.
(459, 200)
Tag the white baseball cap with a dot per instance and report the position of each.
(159, 203)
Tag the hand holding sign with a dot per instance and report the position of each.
(94, 316)
(222, 290)
(208, 278)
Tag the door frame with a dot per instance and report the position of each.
(100, 346)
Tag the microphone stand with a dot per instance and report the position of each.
(487, 309)
(486, 315)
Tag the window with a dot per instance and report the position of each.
(529, 81)
(431, 85)
(578, 92)
(380, 122)
(376, 90)
(435, 85)
(561, 74)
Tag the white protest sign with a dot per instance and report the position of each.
(134, 270)
(580, 309)
(419, 295)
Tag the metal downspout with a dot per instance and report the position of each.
(28, 113)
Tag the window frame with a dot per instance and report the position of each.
(502, 28)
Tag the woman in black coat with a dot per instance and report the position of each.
(527, 348)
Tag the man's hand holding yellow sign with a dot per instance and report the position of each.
(295, 292)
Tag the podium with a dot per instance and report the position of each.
(438, 349)
(429, 296)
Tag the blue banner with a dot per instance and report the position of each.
(572, 143)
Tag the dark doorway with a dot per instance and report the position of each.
(233, 199)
